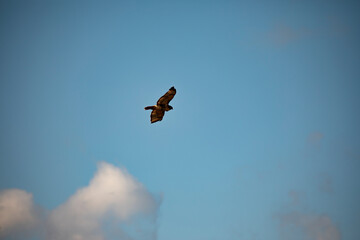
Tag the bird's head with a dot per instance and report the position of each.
(170, 107)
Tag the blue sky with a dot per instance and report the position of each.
(264, 138)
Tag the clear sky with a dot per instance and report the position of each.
(263, 141)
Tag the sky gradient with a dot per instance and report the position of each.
(263, 141)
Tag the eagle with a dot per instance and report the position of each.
(161, 106)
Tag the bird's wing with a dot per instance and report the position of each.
(157, 115)
(164, 100)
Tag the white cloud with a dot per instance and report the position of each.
(112, 192)
(113, 201)
(18, 215)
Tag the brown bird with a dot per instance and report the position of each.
(161, 106)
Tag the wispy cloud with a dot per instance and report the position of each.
(315, 140)
(315, 137)
(326, 183)
(283, 34)
(113, 200)
(300, 223)
(297, 225)
(296, 197)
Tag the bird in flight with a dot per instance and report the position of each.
(161, 106)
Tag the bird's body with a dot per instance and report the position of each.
(161, 106)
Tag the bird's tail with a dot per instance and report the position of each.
(149, 108)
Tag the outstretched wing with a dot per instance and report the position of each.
(168, 96)
(157, 115)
